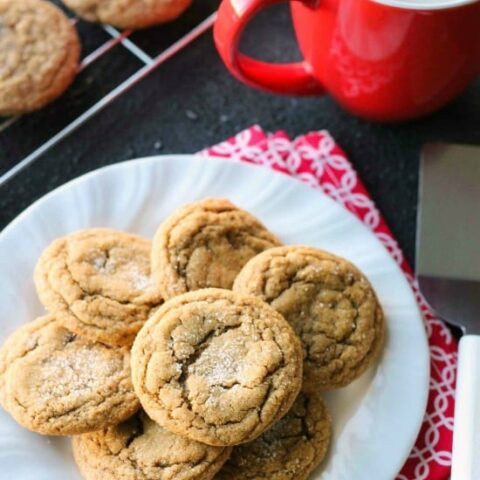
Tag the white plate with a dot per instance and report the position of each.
(376, 419)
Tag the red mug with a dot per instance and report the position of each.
(385, 60)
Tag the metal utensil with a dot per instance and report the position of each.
(448, 269)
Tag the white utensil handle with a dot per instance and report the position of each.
(466, 435)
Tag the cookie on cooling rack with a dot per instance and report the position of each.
(39, 54)
(129, 14)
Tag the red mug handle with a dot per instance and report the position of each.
(288, 79)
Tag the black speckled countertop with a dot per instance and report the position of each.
(191, 102)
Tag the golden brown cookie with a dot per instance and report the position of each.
(39, 54)
(216, 367)
(139, 449)
(205, 244)
(329, 303)
(55, 383)
(131, 14)
(290, 450)
(97, 284)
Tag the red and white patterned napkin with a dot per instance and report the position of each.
(318, 161)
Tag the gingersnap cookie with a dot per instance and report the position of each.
(216, 367)
(97, 284)
(56, 383)
(290, 450)
(39, 54)
(131, 14)
(205, 244)
(329, 303)
(140, 449)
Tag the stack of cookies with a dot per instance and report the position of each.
(200, 355)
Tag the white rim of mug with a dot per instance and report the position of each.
(425, 5)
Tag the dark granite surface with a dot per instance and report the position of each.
(156, 117)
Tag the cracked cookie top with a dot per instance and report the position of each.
(205, 244)
(139, 449)
(290, 450)
(97, 284)
(39, 53)
(55, 383)
(216, 367)
(329, 303)
(130, 14)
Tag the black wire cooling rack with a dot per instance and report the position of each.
(113, 62)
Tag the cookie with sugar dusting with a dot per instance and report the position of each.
(56, 383)
(329, 303)
(216, 367)
(140, 449)
(290, 450)
(204, 245)
(97, 284)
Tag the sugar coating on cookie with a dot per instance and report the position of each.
(216, 367)
(290, 450)
(55, 383)
(329, 303)
(130, 14)
(97, 283)
(141, 449)
(39, 54)
(204, 245)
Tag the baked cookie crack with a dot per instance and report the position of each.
(216, 367)
(98, 284)
(290, 450)
(54, 382)
(140, 449)
(329, 303)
